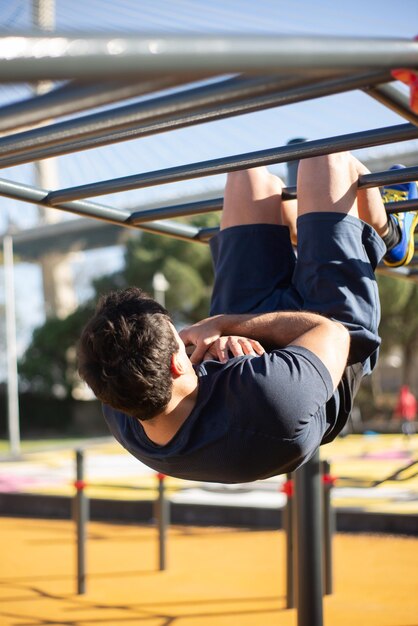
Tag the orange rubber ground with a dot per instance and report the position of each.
(215, 577)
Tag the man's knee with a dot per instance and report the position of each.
(252, 196)
(328, 183)
(339, 163)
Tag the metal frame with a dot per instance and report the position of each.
(58, 56)
(228, 98)
(291, 69)
(283, 154)
(73, 97)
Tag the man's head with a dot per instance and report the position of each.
(125, 353)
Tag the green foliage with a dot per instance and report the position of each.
(399, 325)
(49, 364)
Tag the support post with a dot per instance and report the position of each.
(11, 348)
(288, 521)
(309, 535)
(163, 521)
(328, 527)
(81, 514)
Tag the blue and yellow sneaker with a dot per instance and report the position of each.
(406, 222)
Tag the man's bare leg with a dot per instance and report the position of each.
(329, 183)
(254, 196)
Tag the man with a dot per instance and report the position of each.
(261, 413)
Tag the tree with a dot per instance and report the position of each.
(399, 326)
(49, 363)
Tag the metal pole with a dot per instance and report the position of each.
(104, 57)
(328, 527)
(365, 139)
(288, 522)
(309, 554)
(74, 97)
(163, 519)
(120, 217)
(11, 348)
(221, 100)
(394, 99)
(81, 515)
(376, 179)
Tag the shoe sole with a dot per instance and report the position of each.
(411, 246)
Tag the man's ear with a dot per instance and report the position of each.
(177, 366)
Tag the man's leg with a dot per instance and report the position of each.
(253, 256)
(337, 252)
(337, 256)
(255, 196)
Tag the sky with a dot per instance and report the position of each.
(324, 117)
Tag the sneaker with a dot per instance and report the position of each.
(403, 252)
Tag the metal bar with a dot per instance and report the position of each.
(58, 56)
(199, 105)
(394, 99)
(163, 518)
(74, 97)
(11, 348)
(401, 207)
(81, 519)
(127, 118)
(292, 152)
(308, 513)
(288, 521)
(376, 179)
(328, 528)
(34, 195)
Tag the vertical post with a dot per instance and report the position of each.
(81, 514)
(163, 520)
(288, 516)
(11, 348)
(309, 554)
(328, 527)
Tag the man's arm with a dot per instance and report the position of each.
(328, 340)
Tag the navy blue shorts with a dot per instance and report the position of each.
(256, 270)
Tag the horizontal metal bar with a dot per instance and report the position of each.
(60, 56)
(401, 206)
(178, 210)
(35, 195)
(73, 97)
(120, 117)
(378, 179)
(231, 97)
(375, 179)
(394, 99)
(286, 153)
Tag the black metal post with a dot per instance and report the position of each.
(81, 515)
(288, 523)
(328, 527)
(163, 520)
(309, 535)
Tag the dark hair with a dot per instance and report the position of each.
(124, 353)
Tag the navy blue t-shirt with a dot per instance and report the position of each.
(255, 417)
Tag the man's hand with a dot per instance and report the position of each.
(201, 335)
(207, 341)
(222, 349)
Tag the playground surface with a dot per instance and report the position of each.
(214, 577)
(375, 474)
